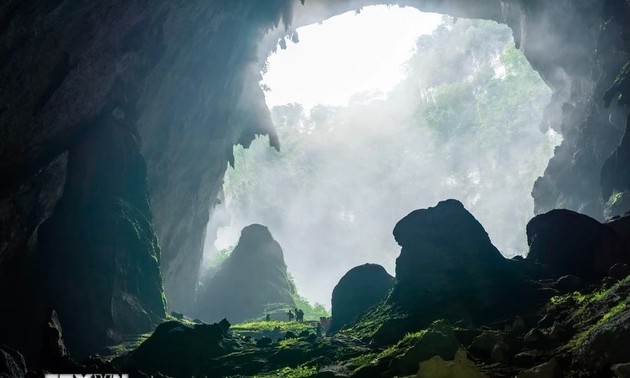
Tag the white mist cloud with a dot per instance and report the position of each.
(345, 55)
(363, 161)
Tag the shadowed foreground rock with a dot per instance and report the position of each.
(179, 350)
(572, 243)
(359, 289)
(12, 364)
(448, 268)
(254, 276)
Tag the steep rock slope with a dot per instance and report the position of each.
(254, 276)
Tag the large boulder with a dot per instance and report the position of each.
(606, 344)
(179, 350)
(359, 289)
(572, 243)
(253, 276)
(448, 268)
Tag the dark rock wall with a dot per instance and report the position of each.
(589, 46)
(176, 82)
(86, 88)
(195, 110)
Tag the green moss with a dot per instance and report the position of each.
(373, 320)
(268, 326)
(615, 198)
(579, 338)
(362, 360)
(589, 311)
(292, 343)
(288, 372)
(614, 312)
(412, 337)
(576, 297)
(123, 348)
(185, 321)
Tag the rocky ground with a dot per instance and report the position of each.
(457, 318)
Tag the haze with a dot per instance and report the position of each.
(374, 123)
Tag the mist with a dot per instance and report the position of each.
(462, 122)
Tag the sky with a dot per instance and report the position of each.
(345, 55)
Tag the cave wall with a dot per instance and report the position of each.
(140, 102)
(116, 123)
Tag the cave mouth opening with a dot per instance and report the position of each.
(377, 122)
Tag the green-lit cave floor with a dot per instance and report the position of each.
(579, 334)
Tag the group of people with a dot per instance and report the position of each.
(298, 316)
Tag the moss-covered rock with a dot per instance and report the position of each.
(179, 350)
(98, 257)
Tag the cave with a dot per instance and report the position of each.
(117, 124)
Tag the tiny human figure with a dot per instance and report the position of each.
(299, 316)
(268, 318)
(290, 315)
(325, 323)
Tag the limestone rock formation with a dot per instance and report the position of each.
(179, 350)
(575, 244)
(175, 77)
(254, 276)
(359, 289)
(448, 268)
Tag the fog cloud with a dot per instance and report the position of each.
(463, 124)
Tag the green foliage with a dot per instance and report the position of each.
(301, 371)
(311, 312)
(220, 257)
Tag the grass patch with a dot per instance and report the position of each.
(288, 372)
(123, 348)
(291, 343)
(372, 320)
(269, 326)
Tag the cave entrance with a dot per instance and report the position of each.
(375, 122)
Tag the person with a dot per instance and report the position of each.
(291, 316)
(299, 316)
(268, 318)
(325, 323)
